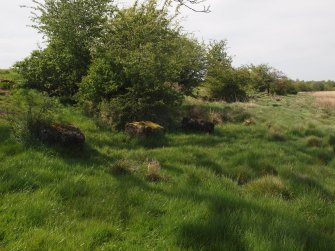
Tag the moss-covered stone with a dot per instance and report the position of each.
(144, 128)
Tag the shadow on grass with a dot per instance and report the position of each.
(121, 140)
(232, 223)
(4, 133)
(311, 184)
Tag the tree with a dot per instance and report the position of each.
(75, 23)
(143, 66)
(223, 81)
(271, 80)
(263, 77)
(70, 27)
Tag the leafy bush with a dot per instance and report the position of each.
(138, 67)
(138, 106)
(284, 87)
(312, 86)
(48, 70)
(223, 81)
(71, 28)
(266, 78)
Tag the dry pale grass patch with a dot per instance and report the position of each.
(249, 105)
(153, 172)
(325, 99)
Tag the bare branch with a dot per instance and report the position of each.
(191, 3)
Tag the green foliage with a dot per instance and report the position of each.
(230, 86)
(223, 81)
(53, 72)
(262, 77)
(284, 86)
(143, 66)
(311, 86)
(31, 110)
(266, 78)
(74, 24)
(9, 78)
(70, 28)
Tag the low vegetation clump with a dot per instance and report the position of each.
(268, 186)
(224, 82)
(154, 171)
(276, 134)
(122, 167)
(314, 141)
(29, 111)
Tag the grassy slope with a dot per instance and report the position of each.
(57, 200)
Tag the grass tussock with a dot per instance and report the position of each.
(153, 173)
(276, 134)
(314, 141)
(122, 167)
(268, 185)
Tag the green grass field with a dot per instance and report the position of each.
(267, 186)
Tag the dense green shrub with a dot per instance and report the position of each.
(143, 66)
(70, 29)
(284, 87)
(310, 86)
(262, 77)
(223, 81)
(266, 78)
(228, 91)
(58, 74)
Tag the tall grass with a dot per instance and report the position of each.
(237, 189)
(325, 99)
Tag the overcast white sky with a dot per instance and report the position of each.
(295, 36)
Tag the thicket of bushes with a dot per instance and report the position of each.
(134, 63)
(312, 86)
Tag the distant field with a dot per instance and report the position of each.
(325, 99)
